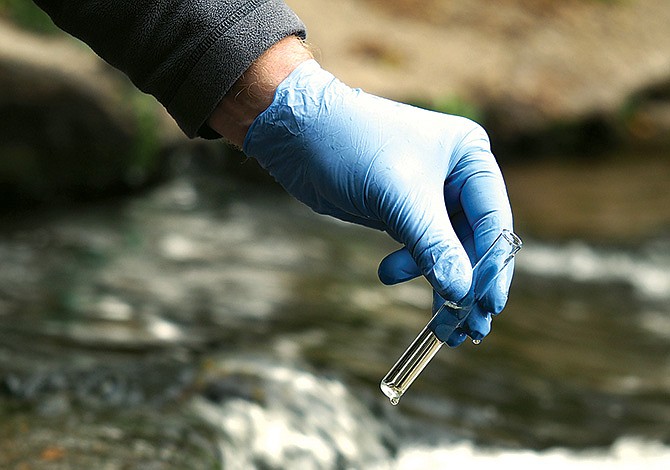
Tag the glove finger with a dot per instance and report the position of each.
(450, 323)
(398, 267)
(484, 200)
(486, 208)
(457, 338)
(422, 224)
(478, 324)
(495, 299)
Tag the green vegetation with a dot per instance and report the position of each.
(27, 15)
(145, 153)
(122, 146)
(452, 105)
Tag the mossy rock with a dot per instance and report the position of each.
(70, 125)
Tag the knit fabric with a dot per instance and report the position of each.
(186, 53)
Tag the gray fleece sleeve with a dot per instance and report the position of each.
(186, 53)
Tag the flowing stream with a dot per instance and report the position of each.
(208, 323)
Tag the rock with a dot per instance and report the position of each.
(648, 119)
(70, 125)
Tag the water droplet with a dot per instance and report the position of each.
(476, 341)
(395, 401)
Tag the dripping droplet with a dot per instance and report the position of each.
(394, 401)
(476, 341)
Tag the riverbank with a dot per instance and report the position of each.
(619, 200)
(527, 68)
(575, 96)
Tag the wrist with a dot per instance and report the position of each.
(254, 91)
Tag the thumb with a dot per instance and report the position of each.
(398, 267)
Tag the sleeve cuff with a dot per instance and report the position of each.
(231, 53)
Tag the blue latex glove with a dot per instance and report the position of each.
(428, 179)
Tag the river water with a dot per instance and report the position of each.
(208, 323)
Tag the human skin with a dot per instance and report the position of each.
(254, 91)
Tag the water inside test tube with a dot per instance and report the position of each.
(410, 364)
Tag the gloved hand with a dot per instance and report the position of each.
(428, 179)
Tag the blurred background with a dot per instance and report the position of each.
(164, 305)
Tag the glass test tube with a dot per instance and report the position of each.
(448, 317)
